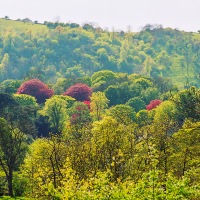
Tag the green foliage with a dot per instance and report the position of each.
(185, 157)
(10, 86)
(25, 100)
(43, 167)
(145, 83)
(136, 103)
(124, 114)
(102, 79)
(55, 109)
(143, 117)
(79, 117)
(149, 94)
(109, 148)
(188, 103)
(149, 187)
(57, 50)
(13, 147)
(121, 93)
(110, 142)
(19, 184)
(99, 103)
(166, 110)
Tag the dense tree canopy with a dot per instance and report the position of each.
(59, 50)
(123, 123)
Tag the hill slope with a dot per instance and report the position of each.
(51, 51)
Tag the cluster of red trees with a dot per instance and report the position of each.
(36, 88)
(81, 92)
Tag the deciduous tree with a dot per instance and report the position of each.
(36, 88)
(79, 91)
(55, 109)
(12, 150)
(99, 103)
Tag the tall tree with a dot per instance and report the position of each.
(99, 103)
(12, 150)
(55, 109)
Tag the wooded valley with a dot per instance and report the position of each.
(87, 113)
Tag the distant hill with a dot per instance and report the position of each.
(54, 50)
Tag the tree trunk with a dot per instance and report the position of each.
(10, 186)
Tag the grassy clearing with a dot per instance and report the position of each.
(196, 36)
(19, 26)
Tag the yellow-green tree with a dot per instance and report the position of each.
(164, 126)
(124, 114)
(43, 167)
(111, 142)
(185, 158)
(99, 103)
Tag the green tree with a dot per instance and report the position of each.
(99, 103)
(144, 82)
(110, 142)
(44, 167)
(19, 115)
(185, 154)
(112, 94)
(148, 64)
(10, 86)
(102, 79)
(79, 118)
(55, 109)
(124, 114)
(25, 100)
(12, 150)
(149, 94)
(187, 103)
(136, 103)
(144, 117)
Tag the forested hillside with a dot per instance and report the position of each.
(58, 50)
(91, 114)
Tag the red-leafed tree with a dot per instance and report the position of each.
(36, 88)
(79, 91)
(153, 104)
